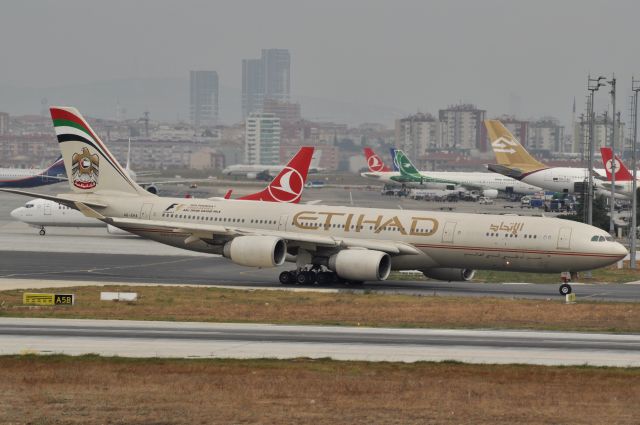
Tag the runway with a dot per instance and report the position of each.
(213, 340)
(212, 270)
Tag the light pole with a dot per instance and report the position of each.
(612, 207)
(635, 87)
(593, 84)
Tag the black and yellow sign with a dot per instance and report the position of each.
(47, 299)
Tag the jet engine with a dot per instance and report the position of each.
(152, 189)
(252, 176)
(490, 193)
(449, 274)
(256, 251)
(361, 264)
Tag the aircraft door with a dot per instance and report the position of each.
(145, 211)
(282, 225)
(448, 231)
(47, 209)
(564, 238)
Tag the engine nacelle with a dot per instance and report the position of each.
(361, 264)
(256, 251)
(449, 274)
(490, 193)
(152, 188)
(113, 230)
(252, 176)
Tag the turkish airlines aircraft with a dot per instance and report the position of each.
(514, 161)
(20, 177)
(327, 243)
(624, 178)
(286, 187)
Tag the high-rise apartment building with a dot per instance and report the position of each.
(203, 98)
(601, 135)
(266, 78)
(418, 133)
(262, 139)
(4, 123)
(546, 135)
(465, 127)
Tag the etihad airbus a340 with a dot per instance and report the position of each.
(326, 242)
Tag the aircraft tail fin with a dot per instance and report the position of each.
(405, 165)
(509, 152)
(394, 162)
(90, 167)
(56, 169)
(622, 172)
(288, 185)
(374, 162)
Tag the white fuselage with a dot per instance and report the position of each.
(443, 239)
(44, 213)
(449, 180)
(563, 179)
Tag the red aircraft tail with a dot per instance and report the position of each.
(622, 173)
(374, 162)
(289, 183)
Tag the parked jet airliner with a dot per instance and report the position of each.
(624, 178)
(326, 242)
(514, 161)
(20, 177)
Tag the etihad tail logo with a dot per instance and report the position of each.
(375, 163)
(504, 145)
(288, 187)
(85, 169)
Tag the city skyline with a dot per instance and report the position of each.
(528, 60)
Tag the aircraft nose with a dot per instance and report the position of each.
(619, 250)
(16, 213)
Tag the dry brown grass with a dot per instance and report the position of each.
(221, 305)
(95, 390)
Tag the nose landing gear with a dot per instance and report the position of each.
(42, 231)
(566, 277)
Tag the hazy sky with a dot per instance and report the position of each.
(529, 57)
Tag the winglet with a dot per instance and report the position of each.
(88, 211)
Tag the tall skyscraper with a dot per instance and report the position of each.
(262, 139)
(465, 127)
(252, 86)
(204, 98)
(266, 78)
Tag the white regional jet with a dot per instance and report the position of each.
(327, 243)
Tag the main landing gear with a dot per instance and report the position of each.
(313, 276)
(42, 231)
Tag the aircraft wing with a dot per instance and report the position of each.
(221, 233)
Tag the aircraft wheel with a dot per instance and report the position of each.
(305, 278)
(565, 289)
(287, 278)
(42, 231)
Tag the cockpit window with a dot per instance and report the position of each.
(609, 238)
(594, 239)
(602, 239)
(28, 205)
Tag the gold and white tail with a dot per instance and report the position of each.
(91, 168)
(509, 152)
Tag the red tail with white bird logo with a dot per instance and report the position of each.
(374, 162)
(622, 173)
(289, 183)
